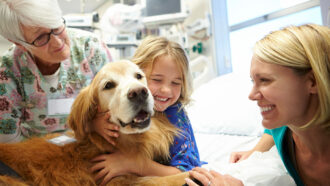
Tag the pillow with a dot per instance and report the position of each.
(221, 106)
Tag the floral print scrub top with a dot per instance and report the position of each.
(184, 151)
(24, 92)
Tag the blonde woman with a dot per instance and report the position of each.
(290, 70)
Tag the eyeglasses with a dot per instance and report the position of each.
(44, 38)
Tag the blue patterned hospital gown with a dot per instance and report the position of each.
(184, 151)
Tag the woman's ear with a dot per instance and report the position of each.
(312, 85)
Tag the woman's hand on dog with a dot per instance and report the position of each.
(104, 128)
(211, 178)
(108, 166)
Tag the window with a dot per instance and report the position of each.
(242, 41)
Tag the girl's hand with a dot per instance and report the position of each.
(239, 156)
(104, 128)
(211, 178)
(108, 166)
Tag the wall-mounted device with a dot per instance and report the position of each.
(82, 21)
(160, 12)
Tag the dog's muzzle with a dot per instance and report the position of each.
(138, 98)
(141, 120)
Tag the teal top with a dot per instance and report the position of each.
(24, 91)
(281, 141)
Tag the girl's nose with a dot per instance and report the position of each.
(165, 89)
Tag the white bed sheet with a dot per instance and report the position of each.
(258, 170)
(217, 147)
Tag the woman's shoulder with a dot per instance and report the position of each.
(81, 35)
(8, 57)
(278, 135)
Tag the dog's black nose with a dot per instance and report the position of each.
(138, 95)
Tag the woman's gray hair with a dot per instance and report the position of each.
(38, 13)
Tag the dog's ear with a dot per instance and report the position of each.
(82, 113)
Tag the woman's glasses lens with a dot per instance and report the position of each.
(44, 39)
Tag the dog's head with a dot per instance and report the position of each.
(121, 88)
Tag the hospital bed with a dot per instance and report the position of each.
(224, 121)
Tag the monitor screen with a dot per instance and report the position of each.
(160, 12)
(161, 7)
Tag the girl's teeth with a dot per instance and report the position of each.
(161, 99)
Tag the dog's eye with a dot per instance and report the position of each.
(138, 76)
(109, 85)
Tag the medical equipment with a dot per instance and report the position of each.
(125, 43)
(82, 21)
(159, 12)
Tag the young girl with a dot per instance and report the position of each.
(166, 67)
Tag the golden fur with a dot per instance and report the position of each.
(40, 162)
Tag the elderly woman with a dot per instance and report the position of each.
(290, 69)
(44, 69)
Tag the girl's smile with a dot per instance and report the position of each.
(165, 82)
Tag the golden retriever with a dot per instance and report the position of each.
(120, 87)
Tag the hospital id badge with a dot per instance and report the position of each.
(61, 106)
(62, 140)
